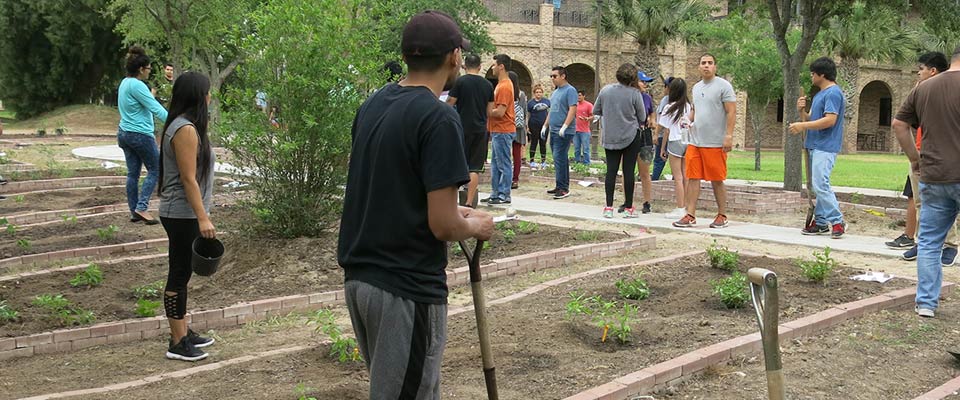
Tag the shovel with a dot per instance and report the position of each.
(766, 303)
(480, 309)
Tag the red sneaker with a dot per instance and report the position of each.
(838, 230)
(686, 222)
(719, 222)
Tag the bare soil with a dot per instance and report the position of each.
(40, 174)
(876, 201)
(254, 268)
(62, 200)
(539, 354)
(887, 355)
(82, 233)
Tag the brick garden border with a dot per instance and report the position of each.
(678, 369)
(83, 252)
(79, 266)
(45, 216)
(13, 188)
(943, 391)
(238, 314)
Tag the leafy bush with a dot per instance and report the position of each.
(818, 269)
(721, 257)
(634, 289)
(146, 308)
(318, 80)
(733, 291)
(90, 276)
(606, 315)
(342, 347)
(149, 291)
(7, 313)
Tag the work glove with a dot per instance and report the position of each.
(562, 129)
(543, 132)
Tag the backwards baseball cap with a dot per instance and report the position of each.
(643, 77)
(432, 33)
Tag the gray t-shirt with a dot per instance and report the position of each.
(710, 118)
(621, 112)
(173, 199)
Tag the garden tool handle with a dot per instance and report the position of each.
(473, 259)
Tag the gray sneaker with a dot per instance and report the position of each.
(924, 312)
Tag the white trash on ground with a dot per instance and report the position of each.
(873, 276)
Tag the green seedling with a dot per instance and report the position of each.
(818, 269)
(621, 322)
(7, 313)
(721, 257)
(301, 391)
(51, 302)
(70, 219)
(149, 291)
(18, 198)
(60, 308)
(342, 348)
(856, 198)
(526, 227)
(3, 221)
(613, 320)
(11, 229)
(455, 248)
(732, 290)
(502, 225)
(634, 289)
(24, 244)
(579, 304)
(76, 316)
(146, 308)
(509, 235)
(587, 236)
(90, 276)
(108, 233)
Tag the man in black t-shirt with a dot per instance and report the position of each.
(472, 94)
(400, 207)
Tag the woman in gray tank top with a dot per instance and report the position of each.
(186, 194)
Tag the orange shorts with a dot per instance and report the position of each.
(706, 163)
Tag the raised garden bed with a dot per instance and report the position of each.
(75, 233)
(253, 269)
(62, 200)
(886, 355)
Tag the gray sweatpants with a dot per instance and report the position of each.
(401, 341)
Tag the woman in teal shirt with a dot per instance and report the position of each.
(135, 135)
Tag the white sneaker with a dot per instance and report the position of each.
(924, 312)
(676, 213)
(533, 166)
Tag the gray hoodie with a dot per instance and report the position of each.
(621, 110)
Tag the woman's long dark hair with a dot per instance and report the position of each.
(189, 100)
(677, 96)
(515, 79)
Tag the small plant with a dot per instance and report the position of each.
(587, 236)
(24, 244)
(90, 276)
(18, 198)
(721, 257)
(11, 229)
(301, 391)
(527, 227)
(856, 197)
(818, 269)
(77, 316)
(509, 235)
(502, 225)
(149, 291)
(580, 169)
(3, 221)
(621, 322)
(732, 290)
(70, 219)
(146, 308)
(579, 304)
(343, 348)
(108, 233)
(51, 302)
(7, 313)
(455, 248)
(613, 320)
(634, 289)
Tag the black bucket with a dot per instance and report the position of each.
(206, 256)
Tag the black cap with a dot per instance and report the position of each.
(432, 33)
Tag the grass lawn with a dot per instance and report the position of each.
(7, 114)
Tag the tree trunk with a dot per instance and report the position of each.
(849, 71)
(758, 114)
(648, 61)
(793, 145)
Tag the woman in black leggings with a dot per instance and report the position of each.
(186, 194)
(621, 109)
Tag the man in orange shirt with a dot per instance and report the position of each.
(502, 131)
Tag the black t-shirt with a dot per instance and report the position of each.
(473, 93)
(406, 143)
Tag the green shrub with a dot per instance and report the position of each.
(579, 304)
(51, 302)
(90, 276)
(634, 289)
(343, 348)
(721, 257)
(22, 243)
(819, 268)
(315, 61)
(146, 308)
(733, 291)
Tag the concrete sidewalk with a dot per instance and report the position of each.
(115, 154)
(742, 230)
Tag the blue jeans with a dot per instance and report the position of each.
(501, 166)
(940, 205)
(560, 147)
(140, 150)
(581, 148)
(658, 163)
(827, 209)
